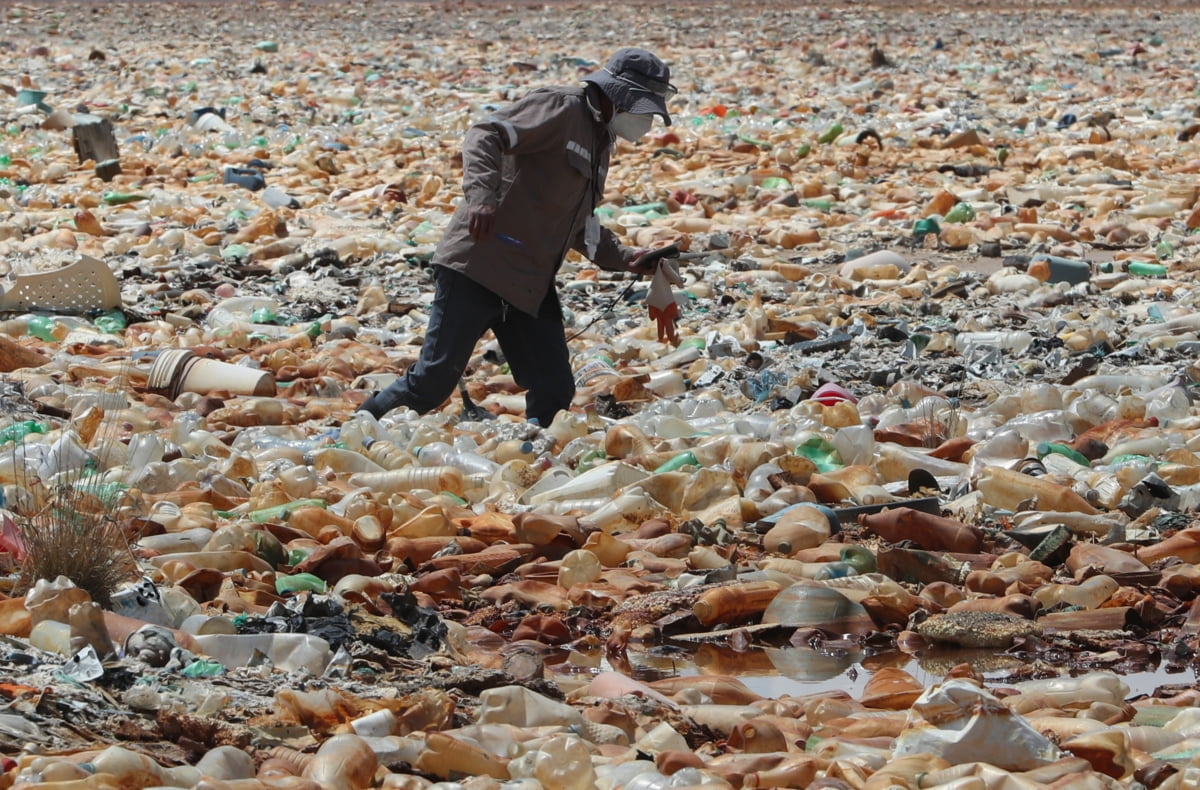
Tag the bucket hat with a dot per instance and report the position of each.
(637, 82)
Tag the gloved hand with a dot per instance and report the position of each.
(664, 310)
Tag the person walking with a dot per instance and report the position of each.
(533, 172)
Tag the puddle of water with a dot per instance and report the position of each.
(799, 671)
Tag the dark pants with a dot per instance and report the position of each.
(535, 347)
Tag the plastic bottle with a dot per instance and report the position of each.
(522, 707)
(342, 461)
(798, 527)
(448, 757)
(928, 531)
(1088, 594)
(227, 763)
(831, 133)
(686, 458)
(357, 431)
(821, 452)
(514, 449)
(598, 481)
(412, 478)
(442, 454)
(1015, 341)
(130, 768)
(795, 771)
(1053, 269)
(52, 636)
(344, 762)
(1046, 448)
(1146, 269)
(19, 430)
(87, 629)
(387, 454)
(288, 652)
(1007, 489)
(564, 763)
(735, 602)
(280, 512)
(1064, 691)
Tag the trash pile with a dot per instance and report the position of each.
(930, 403)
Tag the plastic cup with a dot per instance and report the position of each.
(179, 370)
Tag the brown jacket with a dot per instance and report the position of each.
(542, 162)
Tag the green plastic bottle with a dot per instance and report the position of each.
(19, 430)
(299, 582)
(823, 454)
(121, 198)
(111, 321)
(1145, 269)
(962, 212)
(686, 458)
(203, 669)
(281, 511)
(832, 133)
(42, 328)
(646, 208)
(1046, 448)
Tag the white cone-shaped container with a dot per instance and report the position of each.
(179, 370)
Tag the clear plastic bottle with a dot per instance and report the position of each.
(387, 454)
(341, 461)
(286, 651)
(412, 478)
(442, 454)
(1015, 341)
(130, 768)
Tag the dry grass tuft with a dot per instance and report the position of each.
(75, 535)
(70, 523)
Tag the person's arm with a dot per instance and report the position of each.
(611, 255)
(530, 124)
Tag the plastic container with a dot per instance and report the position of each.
(288, 652)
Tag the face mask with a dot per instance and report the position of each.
(630, 126)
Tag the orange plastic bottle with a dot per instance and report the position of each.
(735, 602)
(928, 531)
